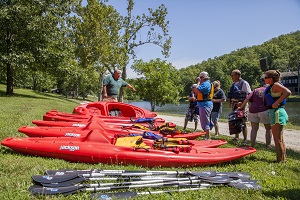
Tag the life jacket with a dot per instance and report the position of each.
(206, 97)
(135, 141)
(141, 120)
(235, 91)
(269, 100)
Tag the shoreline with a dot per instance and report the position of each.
(291, 136)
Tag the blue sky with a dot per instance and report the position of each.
(203, 29)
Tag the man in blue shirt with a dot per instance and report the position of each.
(204, 91)
(112, 84)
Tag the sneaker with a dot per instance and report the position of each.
(216, 136)
(194, 130)
(245, 143)
(235, 139)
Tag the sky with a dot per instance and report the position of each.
(203, 29)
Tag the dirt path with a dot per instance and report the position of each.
(291, 137)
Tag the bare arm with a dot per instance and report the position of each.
(285, 93)
(131, 87)
(104, 91)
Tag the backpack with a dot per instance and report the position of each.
(236, 92)
(235, 122)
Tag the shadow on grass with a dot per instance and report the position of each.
(291, 194)
(42, 95)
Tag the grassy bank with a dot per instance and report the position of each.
(279, 181)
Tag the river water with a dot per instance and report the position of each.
(292, 108)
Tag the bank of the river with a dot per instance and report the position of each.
(291, 137)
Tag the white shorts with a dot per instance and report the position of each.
(260, 117)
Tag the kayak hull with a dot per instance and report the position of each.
(86, 151)
(81, 131)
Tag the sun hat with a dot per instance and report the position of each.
(204, 75)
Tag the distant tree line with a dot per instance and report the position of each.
(62, 44)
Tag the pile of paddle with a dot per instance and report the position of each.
(66, 182)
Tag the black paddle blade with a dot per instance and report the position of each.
(235, 174)
(117, 195)
(53, 179)
(247, 185)
(65, 183)
(40, 190)
(68, 171)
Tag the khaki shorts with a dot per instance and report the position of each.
(260, 117)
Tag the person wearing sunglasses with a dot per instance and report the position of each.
(275, 97)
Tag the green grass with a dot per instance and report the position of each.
(279, 181)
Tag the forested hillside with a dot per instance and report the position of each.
(50, 44)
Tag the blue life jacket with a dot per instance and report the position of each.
(140, 120)
(269, 100)
(236, 92)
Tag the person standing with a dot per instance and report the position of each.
(112, 84)
(238, 92)
(218, 98)
(204, 92)
(193, 111)
(258, 113)
(275, 96)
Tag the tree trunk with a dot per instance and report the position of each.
(9, 80)
(9, 67)
(101, 78)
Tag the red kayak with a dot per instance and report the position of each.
(79, 131)
(115, 109)
(124, 151)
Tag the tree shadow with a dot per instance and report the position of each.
(291, 194)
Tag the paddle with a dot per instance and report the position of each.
(73, 189)
(48, 179)
(126, 195)
(141, 180)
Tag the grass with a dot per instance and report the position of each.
(279, 181)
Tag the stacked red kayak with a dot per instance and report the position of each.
(119, 133)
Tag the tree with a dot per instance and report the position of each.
(97, 38)
(33, 32)
(133, 26)
(159, 83)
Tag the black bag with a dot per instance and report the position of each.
(235, 122)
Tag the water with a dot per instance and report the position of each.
(292, 109)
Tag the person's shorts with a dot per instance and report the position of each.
(215, 116)
(192, 116)
(278, 115)
(260, 117)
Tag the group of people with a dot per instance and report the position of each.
(205, 104)
(206, 98)
(267, 107)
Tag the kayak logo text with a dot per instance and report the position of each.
(72, 135)
(70, 148)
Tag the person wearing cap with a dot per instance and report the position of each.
(193, 111)
(112, 84)
(218, 98)
(204, 92)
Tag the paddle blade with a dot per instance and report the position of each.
(117, 195)
(235, 174)
(65, 183)
(40, 190)
(53, 179)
